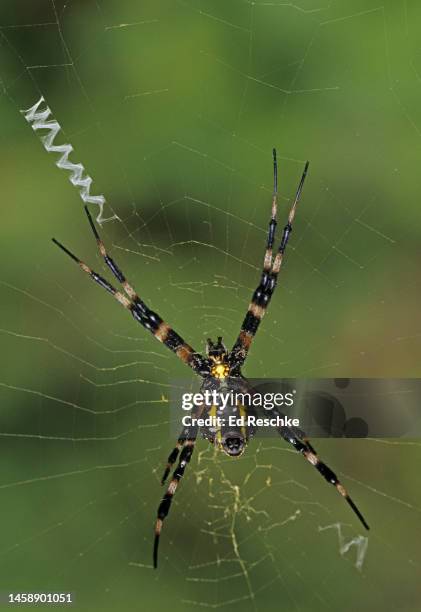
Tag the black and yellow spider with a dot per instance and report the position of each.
(220, 369)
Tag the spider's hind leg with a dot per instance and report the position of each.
(301, 435)
(303, 446)
(165, 505)
(172, 458)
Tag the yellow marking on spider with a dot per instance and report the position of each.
(220, 370)
(243, 415)
(218, 434)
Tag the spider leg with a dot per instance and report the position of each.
(288, 227)
(264, 291)
(164, 506)
(175, 452)
(303, 446)
(110, 262)
(172, 459)
(267, 264)
(124, 301)
(139, 310)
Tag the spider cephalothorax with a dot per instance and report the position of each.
(218, 356)
(219, 368)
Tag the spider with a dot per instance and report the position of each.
(219, 368)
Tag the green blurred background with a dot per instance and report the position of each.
(173, 107)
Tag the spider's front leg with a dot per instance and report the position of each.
(140, 311)
(301, 444)
(271, 268)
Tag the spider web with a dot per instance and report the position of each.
(173, 109)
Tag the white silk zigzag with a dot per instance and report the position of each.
(40, 120)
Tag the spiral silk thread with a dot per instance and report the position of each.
(41, 119)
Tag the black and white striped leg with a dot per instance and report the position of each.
(304, 447)
(140, 311)
(111, 263)
(267, 264)
(164, 506)
(172, 458)
(120, 297)
(277, 263)
(263, 294)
